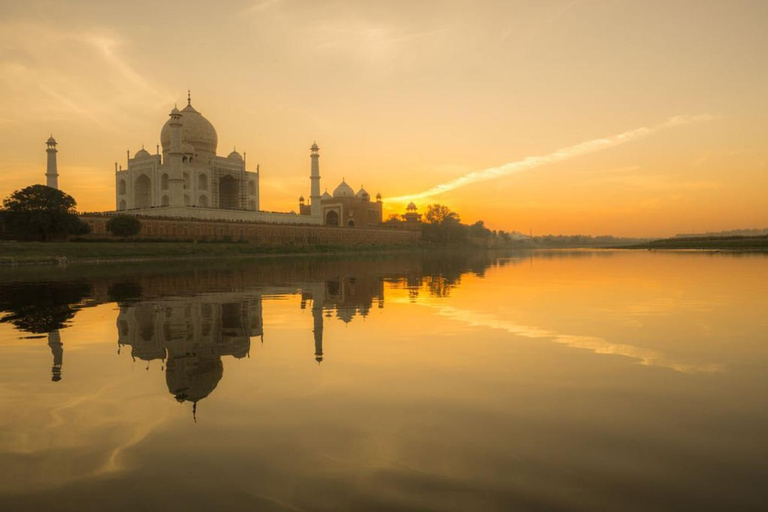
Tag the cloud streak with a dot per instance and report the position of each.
(561, 155)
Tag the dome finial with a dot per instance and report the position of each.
(189, 97)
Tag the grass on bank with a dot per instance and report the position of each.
(20, 252)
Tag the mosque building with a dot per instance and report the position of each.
(189, 180)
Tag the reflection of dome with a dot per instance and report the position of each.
(362, 194)
(235, 156)
(192, 378)
(195, 129)
(343, 190)
(142, 153)
(345, 313)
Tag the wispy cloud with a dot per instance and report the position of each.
(561, 155)
(262, 5)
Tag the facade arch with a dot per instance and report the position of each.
(142, 192)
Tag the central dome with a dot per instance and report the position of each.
(343, 190)
(195, 130)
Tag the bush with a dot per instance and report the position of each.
(124, 225)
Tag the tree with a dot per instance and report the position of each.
(443, 225)
(41, 212)
(438, 214)
(479, 230)
(124, 225)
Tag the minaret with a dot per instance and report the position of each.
(314, 196)
(175, 178)
(52, 172)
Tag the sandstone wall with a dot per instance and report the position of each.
(261, 233)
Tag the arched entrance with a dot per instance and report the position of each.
(351, 223)
(228, 193)
(332, 218)
(142, 192)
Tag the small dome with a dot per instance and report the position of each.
(326, 195)
(142, 153)
(362, 194)
(314, 147)
(51, 141)
(378, 195)
(235, 156)
(175, 111)
(411, 206)
(343, 190)
(301, 199)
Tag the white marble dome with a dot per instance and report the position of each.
(195, 130)
(142, 153)
(343, 190)
(234, 155)
(363, 194)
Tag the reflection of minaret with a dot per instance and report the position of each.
(317, 315)
(57, 349)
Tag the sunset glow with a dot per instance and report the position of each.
(640, 119)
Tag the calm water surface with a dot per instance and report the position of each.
(554, 381)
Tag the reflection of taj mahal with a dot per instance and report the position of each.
(191, 334)
(189, 180)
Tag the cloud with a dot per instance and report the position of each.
(561, 155)
(263, 5)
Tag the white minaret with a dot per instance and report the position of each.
(176, 179)
(52, 172)
(314, 196)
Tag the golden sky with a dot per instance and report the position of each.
(594, 117)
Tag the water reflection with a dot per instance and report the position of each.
(188, 334)
(582, 381)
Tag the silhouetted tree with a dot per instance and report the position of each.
(124, 225)
(438, 214)
(443, 225)
(41, 212)
(479, 230)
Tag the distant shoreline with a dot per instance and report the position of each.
(713, 243)
(13, 254)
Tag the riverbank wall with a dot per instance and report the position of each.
(175, 229)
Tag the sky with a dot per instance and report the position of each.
(568, 117)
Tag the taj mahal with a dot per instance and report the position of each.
(189, 180)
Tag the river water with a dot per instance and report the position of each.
(603, 380)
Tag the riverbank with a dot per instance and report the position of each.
(60, 253)
(714, 243)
